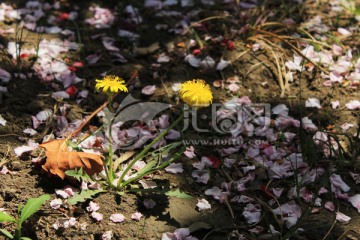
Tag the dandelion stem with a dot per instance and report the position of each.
(145, 150)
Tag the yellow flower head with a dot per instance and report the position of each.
(196, 93)
(111, 84)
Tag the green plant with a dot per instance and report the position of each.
(23, 213)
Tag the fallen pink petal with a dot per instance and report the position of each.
(117, 217)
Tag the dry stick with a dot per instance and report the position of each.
(76, 131)
(240, 55)
(308, 40)
(286, 85)
(280, 77)
(205, 19)
(290, 45)
(299, 29)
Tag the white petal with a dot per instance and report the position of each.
(355, 201)
(222, 64)
(136, 216)
(353, 105)
(174, 168)
(342, 217)
(313, 102)
(203, 204)
(207, 63)
(97, 216)
(148, 90)
(117, 217)
(2, 121)
(192, 60)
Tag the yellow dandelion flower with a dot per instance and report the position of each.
(111, 84)
(196, 93)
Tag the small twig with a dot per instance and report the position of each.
(290, 45)
(76, 131)
(205, 19)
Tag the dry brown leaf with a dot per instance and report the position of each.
(59, 159)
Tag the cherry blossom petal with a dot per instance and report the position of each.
(343, 31)
(330, 206)
(201, 176)
(66, 192)
(29, 131)
(107, 235)
(335, 77)
(32, 145)
(337, 50)
(346, 126)
(342, 217)
(136, 216)
(93, 207)
(5, 170)
(173, 135)
(291, 210)
(335, 104)
(148, 90)
(97, 216)
(44, 115)
(193, 60)
(252, 213)
(337, 183)
(280, 109)
(233, 87)
(353, 105)
(222, 64)
(163, 58)
(93, 58)
(181, 233)
(117, 217)
(355, 201)
(4, 76)
(174, 168)
(56, 203)
(313, 102)
(308, 125)
(214, 191)
(207, 63)
(190, 152)
(176, 87)
(203, 204)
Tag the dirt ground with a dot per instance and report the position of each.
(258, 79)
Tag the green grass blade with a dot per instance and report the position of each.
(6, 233)
(31, 206)
(6, 218)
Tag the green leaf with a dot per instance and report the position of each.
(25, 238)
(6, 233)
(6, 218)
(177, 193)
(78, 174)
(81, 197)
(31, 206)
